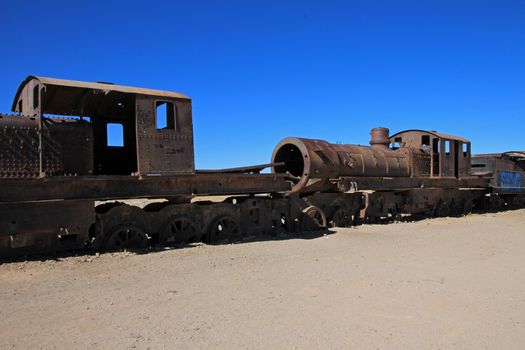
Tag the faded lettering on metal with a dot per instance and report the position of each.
(509, 179)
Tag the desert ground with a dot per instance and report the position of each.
(450, 283)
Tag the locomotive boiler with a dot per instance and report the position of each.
(418, 156)
(312, 163)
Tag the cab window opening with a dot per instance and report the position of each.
(397, 143)
(465, 149)
(166, 115)
(36, 97)
(115, 135)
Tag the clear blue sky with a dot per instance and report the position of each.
(259, 71)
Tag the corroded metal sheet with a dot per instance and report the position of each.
(63, 147)
(19, 150)
(166, 150)
(45, 227)
(506, 171)
(312, 163)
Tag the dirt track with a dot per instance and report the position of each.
(433, 284)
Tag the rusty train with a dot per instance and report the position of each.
(70, 145)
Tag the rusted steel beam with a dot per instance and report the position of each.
(383, 183)
(120, 187)
(254, 169)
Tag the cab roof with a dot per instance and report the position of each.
(56, 89)
(434, 133)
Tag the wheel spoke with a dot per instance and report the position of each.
(126, 237)
(341, 218)
(223, 228)
(314, 219)
(179, 229)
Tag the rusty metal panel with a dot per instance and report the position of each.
(440, 202)
(30, 228)
(447, 158)
(19, 155)
(28, 99)
(164, 150)
(511, 180)
(421, 164)
(505, 172)
(66, 147)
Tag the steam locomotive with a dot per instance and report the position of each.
(71, 145)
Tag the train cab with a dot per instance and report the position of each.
(126, 130)
(448, 155)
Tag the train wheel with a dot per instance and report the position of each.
(341, 218)
(179, 229)
(442, 209)
(494, 203)
(515, 202)
(373, 219)
(279, 223)
(313, 219)
(468, 204)
(224, 227)
(487, 204)
(96, 237)
(521, 201)
(156, 206)
(500, 203)
(357, 219)
(126, 237)
(455, 208)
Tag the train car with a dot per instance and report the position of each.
(411, 172)
(72, 143)
(506, 172)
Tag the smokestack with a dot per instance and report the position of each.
(379, 137)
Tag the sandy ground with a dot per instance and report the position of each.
(435, 284)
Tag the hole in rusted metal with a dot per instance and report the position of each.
(292, 158)
(166, 115)
(115, 135)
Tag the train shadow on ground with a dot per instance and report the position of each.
(281, 236)
(156, 248)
